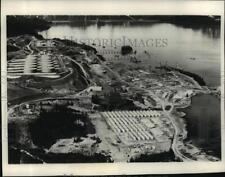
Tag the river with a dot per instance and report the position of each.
(204, 123)
(193, 49)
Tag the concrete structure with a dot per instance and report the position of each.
(43, 64)
(94, 89)
(36, 65)
(44, 44)
(133, 126)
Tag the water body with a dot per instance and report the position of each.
(194, 49)
(203, 119)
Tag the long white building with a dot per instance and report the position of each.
(40, 66)
(132, 126)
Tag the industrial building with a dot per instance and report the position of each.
(134, 126)
(41, 66)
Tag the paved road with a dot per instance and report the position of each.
(177, 132)
(28, 47)
(82, 69)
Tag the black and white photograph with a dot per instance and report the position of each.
(114, 88)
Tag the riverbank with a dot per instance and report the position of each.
(196, 77)
(203, 121)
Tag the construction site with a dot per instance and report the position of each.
(136, 126)
(41, 64)
(120, 108)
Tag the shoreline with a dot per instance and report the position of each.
(194, 76)
(187, 140)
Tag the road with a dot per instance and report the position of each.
(28, 47)
(81, 68)
(177, 132)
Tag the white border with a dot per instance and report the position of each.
(108, 7)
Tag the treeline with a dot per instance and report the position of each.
(161, 157)
(74, 157)
(181, 19)
(86, 18)
(19, 24)
(113, 101)
(57, 123)
(177, 19)
(16, 157)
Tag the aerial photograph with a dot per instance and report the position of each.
(113, 88)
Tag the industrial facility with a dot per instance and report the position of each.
(135, 126)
